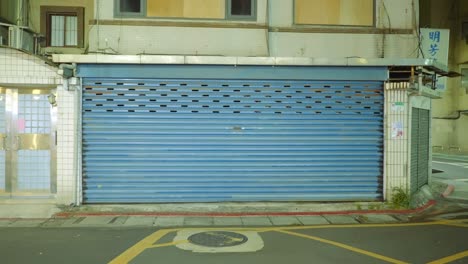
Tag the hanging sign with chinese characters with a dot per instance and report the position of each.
(435, 45)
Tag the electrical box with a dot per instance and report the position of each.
(465, 31)
(464, 78)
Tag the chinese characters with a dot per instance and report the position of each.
(434, 37)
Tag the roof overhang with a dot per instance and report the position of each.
(428, 64)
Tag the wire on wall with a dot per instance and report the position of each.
(267, 30)
(457, 116)
(106, 50)
(389, 28)
(417, 31)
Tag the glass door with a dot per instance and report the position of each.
(29, 166)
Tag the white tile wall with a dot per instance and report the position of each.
(396, 157)
(17, 67)
(66, 182)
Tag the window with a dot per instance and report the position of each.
(334, 12)
(62, 26)
(204, 9)
(241, 9)
(63, 30)
(208, 9)
(129, 7)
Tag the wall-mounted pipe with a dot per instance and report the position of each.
(68, 66)
(67, 70)
(77, 156)
(459, 112)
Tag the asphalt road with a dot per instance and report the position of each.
(426, 242)
(453, 172)
(451, 169)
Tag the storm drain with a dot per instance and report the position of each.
(217, 239)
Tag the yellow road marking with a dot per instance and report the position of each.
(169, 244)
(139, 247)
(451, 258)
(360, 225)
(240, 229)
(149, 241)
(267, 229)
(357, 250)
(454, 223)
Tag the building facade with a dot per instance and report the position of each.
(450, 113)
(214, 101)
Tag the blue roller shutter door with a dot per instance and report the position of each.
(187, 140)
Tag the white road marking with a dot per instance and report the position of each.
(463, 165)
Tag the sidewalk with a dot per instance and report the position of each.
(120, 219)
(199, 221)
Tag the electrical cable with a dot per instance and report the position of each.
(459, 112)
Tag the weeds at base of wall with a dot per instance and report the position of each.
(400, 199)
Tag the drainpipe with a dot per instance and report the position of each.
(77, 157)
(67, 71)
(459, 112)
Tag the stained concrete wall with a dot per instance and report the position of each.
(449, 135)
(273, 34)
(460, 93)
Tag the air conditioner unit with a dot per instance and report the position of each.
(20, 38)
(14, 37)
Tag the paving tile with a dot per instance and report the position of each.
(341, 219)
(198, 221)
(96, 221)
(167, 221)
(6, 222)
(118, 221)
(73, 222)
(54, 222)
(377, 218)
(284, 220)
(313, 220)
(27, 223)
(227, 221)
(140, 221)
(256, 221)
(402, 218)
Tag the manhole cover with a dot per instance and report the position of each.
(217, 239)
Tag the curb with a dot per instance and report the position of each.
(218, 214)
